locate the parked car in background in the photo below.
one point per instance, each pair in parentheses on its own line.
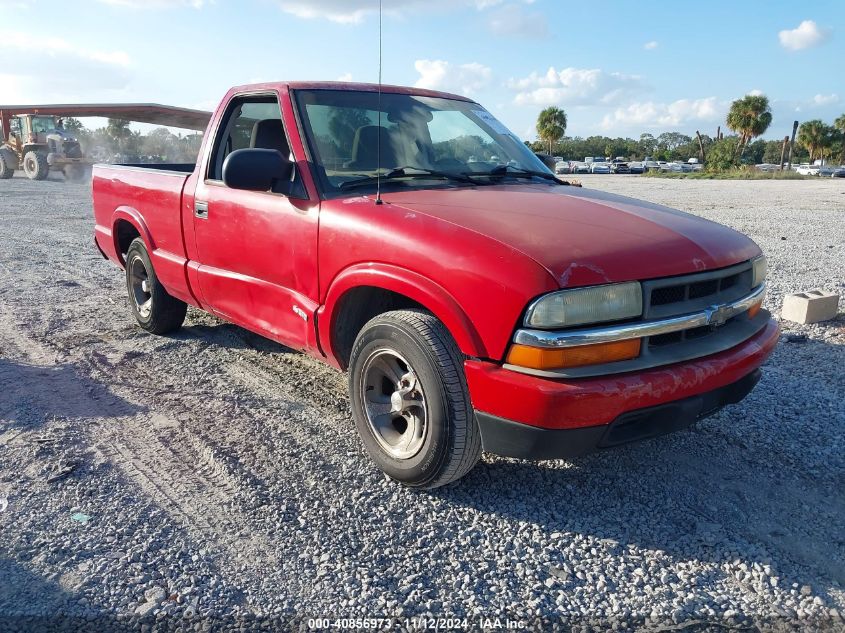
(806,169)
(651,165)
(620,166)
(839,172)
(599,168)
(580,168)
(636,167)
(826,171)
(767,167)
(563,167)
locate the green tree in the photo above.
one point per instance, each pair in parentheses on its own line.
(551,126)
(721,155)
(749,117)
(119,133)
(772,151)
(815,136)
(73,125)
(839,124)
(647,144)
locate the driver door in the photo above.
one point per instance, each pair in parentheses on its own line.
(257,251)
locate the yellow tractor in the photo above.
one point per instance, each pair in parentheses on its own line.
(38,144)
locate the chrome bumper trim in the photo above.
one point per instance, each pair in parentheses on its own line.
(715,315)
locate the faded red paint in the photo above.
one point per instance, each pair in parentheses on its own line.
(475,257)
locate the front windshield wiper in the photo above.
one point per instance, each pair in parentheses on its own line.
(519,172)
(409,172)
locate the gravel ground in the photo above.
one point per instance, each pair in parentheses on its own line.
(214,474)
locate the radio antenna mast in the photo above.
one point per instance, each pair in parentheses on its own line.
(378,135)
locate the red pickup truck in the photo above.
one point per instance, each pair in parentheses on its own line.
(475,300)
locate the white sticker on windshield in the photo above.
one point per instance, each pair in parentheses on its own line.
(491,121)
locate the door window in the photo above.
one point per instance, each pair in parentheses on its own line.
(250,122)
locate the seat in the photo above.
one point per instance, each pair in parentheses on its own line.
(365,149)
(270,134)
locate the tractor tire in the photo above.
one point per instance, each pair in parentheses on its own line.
(8,163)
(35,165)
(78,173)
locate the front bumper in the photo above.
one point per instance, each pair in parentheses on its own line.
(562,404)
(512,439)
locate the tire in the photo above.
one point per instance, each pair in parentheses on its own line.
(8,163)
(417,424)
(153,309)
(35,165)
(77,173)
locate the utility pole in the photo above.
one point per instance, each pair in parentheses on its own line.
(792,142)
(783,151)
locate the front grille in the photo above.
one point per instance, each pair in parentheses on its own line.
(677,296)
(672,294)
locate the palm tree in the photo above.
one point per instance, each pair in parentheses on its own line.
(839,124)
(118,130)
(749,117)
(551,125)
(814,136)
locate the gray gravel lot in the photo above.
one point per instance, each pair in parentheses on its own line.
(213,473)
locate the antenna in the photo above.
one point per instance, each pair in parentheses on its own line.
(378,135)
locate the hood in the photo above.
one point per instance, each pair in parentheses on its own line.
(582,236)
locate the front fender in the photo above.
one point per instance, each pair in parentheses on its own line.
(424,291)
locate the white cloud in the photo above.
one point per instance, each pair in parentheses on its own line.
(823,100)
(47,68)
(514,20)
(575,86)
(650,46)
(354,11)
(755,93)
(441,75)
(345,77)
(665,115)
(805,35)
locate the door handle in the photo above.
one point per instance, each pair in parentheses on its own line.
(201,210)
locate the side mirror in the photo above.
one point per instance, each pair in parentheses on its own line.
(258,170)
(547,160)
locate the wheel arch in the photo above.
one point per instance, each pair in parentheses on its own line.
(363,291)
(127,224)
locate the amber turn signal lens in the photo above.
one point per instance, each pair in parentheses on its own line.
(544,358)
(753,310)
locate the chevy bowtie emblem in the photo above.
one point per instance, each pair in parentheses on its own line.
(717,316)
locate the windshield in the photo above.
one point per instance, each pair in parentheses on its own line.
(42,124)
(350,141)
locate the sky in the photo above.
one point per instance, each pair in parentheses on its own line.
(617,67)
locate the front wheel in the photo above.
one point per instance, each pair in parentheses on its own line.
(410,400)
(153,309)
(35,165)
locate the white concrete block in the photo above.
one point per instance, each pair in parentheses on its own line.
(811,306)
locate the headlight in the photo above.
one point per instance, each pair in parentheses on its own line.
(759,275)
(594,304)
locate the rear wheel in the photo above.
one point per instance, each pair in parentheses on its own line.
(410,400)
(35,165)
(153,309)
(8,163)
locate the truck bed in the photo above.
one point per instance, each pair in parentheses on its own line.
(149,197)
